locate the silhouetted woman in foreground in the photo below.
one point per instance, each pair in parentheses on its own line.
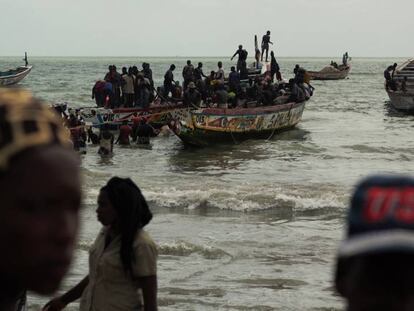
(122,261)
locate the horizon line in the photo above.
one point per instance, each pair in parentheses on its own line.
(198,56)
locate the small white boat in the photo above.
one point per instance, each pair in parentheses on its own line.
(403,99)
(331,73)
(13,76)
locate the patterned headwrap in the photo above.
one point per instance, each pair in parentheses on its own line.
(26,122)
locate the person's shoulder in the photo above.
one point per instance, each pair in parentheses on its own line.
(144,241)
(142,237)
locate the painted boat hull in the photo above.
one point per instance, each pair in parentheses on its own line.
(15,78)
(330,75)
(157,116)
(209,126)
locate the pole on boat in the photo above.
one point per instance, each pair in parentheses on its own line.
(256,51)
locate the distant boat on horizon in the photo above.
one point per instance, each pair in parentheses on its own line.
(14,76)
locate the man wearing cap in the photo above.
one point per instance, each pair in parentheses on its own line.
(40,198)
(192,96)
(375,262)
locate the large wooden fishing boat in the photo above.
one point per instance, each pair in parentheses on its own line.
(13,76)
(208,126)
(158,114)
(331,73)
(403,99)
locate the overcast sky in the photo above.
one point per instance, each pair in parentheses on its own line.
(205,27)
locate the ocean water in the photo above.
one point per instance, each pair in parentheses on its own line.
(253,226)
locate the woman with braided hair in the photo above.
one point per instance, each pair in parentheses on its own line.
(122,261)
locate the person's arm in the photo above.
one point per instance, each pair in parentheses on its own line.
(149,292)
(237,52)
(59,303)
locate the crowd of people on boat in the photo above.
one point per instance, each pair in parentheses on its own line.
(131,87)
(240,87)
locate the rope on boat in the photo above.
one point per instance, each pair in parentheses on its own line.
(274,130)
(234,140)
(231,133)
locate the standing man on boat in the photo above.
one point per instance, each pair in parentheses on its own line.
(241,62)
(188,74)
(265,44)
(345,59)
(219,75)
(198,73)
(168,81)
(115,79)
(128,87)
(388,78)
(234,80)
(394,67)
(274,68)
(147,72)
